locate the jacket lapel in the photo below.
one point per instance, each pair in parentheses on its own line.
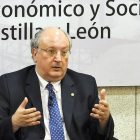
(33,91)
(68,92)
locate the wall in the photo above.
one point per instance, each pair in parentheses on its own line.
(125,108)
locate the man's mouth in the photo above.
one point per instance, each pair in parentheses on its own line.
(56,68)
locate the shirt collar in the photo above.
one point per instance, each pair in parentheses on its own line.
(43,83)
(56,85)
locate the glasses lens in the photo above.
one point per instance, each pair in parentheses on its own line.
(51,52)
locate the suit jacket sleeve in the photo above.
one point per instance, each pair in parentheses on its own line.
(110,127)
(6,131)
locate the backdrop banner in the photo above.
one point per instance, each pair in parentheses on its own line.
(105,36)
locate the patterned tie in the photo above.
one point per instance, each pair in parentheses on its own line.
(55,122)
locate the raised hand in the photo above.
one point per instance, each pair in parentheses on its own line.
(101,111)
(25,117)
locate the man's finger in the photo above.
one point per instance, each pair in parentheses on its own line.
(96,111)
(102,95)
(24,103)
(95,115)
(29,111)
(34,123)
(103,103)
(100,107)
(34,119)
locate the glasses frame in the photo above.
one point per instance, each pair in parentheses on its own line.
(55,52)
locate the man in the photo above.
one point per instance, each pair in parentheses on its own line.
(29,98)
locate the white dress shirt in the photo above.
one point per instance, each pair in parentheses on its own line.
(44,95)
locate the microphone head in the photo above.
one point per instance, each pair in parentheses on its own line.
(50,104)
(50,97)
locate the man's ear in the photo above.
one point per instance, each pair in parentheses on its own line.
(34,54)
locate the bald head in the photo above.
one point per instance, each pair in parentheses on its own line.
(53,35)
(35,42)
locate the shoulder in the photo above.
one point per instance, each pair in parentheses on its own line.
(78,77)
(20,74)
(84,84)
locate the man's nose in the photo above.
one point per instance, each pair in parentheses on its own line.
(58,56)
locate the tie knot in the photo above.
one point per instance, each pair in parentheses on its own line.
(49,86)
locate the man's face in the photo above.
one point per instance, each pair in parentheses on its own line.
(51,68)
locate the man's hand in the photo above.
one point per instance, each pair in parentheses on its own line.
(25,117)
(101,111)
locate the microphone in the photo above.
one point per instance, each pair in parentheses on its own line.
(50,104)
(50,97)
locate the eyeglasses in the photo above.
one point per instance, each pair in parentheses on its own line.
(51,52)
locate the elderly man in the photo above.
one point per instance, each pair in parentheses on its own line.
(49,101)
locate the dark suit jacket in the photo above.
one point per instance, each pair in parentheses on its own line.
(76,109)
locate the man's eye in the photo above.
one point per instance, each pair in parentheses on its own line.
(50,51)
(64,52)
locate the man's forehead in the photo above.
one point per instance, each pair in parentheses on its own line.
(52,31)
(53,34)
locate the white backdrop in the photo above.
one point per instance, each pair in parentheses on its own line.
(113,61)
